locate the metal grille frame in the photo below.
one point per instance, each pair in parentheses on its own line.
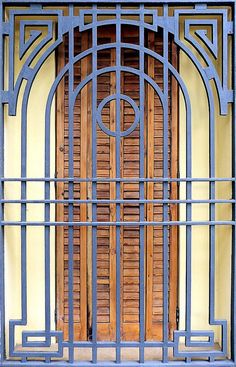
(170,25)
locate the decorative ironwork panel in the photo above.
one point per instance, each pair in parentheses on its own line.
(150,199)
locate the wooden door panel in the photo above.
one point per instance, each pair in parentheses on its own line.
(106,168)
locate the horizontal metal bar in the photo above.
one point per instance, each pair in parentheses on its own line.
(135,179)
(118,201)
(115,224)
(226,363)
(104,179)
(114,2)
(124,344)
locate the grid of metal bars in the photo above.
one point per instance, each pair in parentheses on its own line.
(201,350)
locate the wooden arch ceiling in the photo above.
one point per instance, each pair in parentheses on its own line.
(106,236)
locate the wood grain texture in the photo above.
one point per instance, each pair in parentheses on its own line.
(83,188)
(106,160)
(150,189)
(112,197)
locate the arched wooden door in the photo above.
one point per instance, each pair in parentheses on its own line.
(136,153)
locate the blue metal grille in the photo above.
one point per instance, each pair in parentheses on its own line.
(199,345)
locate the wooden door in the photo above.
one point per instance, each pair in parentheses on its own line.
(106,212)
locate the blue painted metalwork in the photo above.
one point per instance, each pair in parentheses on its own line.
(199,352)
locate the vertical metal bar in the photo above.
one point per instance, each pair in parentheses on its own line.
(71,189)
(141,191)
(118,141)
(11,53)
(224,41)
(165,188)
(212,215)
(94,189)
(233,279)
(2,280)
(47,148)
(188,227)
(23,213)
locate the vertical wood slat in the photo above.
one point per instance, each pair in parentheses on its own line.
(83,191)
(107,328)
(60,191)
(150,189)
(112,197)
(129,168)
(62,236)
(106,331)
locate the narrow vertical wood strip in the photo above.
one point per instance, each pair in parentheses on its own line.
(150,192)
(83,192)
(60,116)
(112,197)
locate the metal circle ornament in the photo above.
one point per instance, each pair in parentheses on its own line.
(118,97)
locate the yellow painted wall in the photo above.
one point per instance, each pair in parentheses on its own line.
(200,243)
(35,239)
(200,235)
(35,250)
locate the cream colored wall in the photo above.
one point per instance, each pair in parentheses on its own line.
(35,240)
(200,235)
(35,250)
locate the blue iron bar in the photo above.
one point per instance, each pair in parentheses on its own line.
(23,2)
(165,229)
(124,344)
(101,179)
(94,191)
(227,363)
(118,201)
(48,355)
(2,269)
(107,344)
(188,259)
(233,260)
(23,228)
(141,192)
(47,240)
(212,217)
(118,174)
(96,224)
(47,235)
(114,11)
(71,192)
